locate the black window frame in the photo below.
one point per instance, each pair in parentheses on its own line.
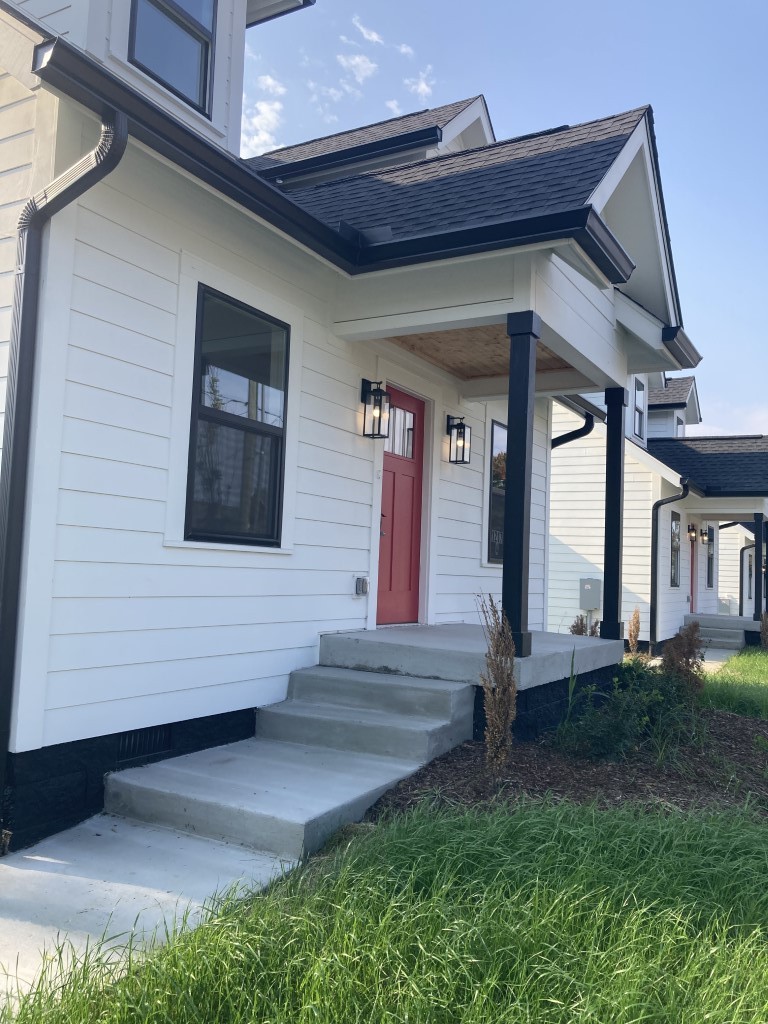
(194,28)
(674,552)
(710,558)
(639,414)
(492,559)
(230,420)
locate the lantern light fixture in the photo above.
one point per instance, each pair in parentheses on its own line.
(376,406)
(692,532)
(460,444)
(704,536)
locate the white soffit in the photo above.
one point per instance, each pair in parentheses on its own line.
(474,123)
(629,202)
(263,10)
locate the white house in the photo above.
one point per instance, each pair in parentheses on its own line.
(188,500)
(684,497)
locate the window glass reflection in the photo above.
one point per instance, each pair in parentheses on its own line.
(400,440)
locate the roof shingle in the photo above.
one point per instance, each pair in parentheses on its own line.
(548,172)
(736,465)
(677,392)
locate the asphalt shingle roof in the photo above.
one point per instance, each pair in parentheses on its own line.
(549,172)
(437,116)
(677,392)
(717,465)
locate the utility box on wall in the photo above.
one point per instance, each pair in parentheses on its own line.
(590,594)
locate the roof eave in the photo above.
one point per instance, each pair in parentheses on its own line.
(680,347)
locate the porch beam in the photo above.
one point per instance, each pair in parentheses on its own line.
(759,582)
(548,383)
(524,330)
(612,625)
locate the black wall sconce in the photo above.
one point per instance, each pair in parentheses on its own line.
(704,536)
(460,445)
(692,532)
(375,409)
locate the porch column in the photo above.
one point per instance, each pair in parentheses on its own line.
(612,626)
(524,330)
(759,581)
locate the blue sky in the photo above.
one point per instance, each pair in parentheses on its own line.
(701,65)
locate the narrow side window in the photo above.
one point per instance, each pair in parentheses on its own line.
(675,550)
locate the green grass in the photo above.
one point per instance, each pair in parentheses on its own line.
(544,914)
(741,685)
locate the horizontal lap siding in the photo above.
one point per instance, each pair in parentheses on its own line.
(731,542)
(142,632)
(17,124)
(577,517)
(461,536)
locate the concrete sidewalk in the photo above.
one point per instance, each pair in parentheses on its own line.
(113,880)
(716,657)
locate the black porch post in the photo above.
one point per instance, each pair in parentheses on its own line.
(524,330)
(612,625)
(759,583)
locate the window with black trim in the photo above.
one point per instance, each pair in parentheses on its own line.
(172,40)
(237,436)
(498,491)
(750,573)
(675,550)
(710,557)
(639,409)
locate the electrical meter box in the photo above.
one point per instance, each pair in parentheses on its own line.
(590,594)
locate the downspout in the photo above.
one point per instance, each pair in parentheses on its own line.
(742,552)
(573,435)
(684,487)
(62,191)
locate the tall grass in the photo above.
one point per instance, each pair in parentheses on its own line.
(741,685)
(544,913)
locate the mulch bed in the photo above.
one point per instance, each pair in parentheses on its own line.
(728,768)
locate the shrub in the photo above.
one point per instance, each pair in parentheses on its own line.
(633,631)
(579,627)
(683,658)
(499,686)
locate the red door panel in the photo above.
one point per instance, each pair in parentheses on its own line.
(400,545)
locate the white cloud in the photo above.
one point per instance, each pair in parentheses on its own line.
(394,106)
(405,49)
(271,85)
(368,34)
(259,127)
(250,53)
(350,89)
(348,41)
(358,65)
(320,96)
(421,85)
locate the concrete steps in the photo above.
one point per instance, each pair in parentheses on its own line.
(722,631)
(318,760)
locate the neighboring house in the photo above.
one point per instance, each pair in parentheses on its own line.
(698,540)
(187,498)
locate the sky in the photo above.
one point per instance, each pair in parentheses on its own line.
(701,65)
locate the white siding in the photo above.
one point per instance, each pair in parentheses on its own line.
(17,125)
(577,517)
(55,14)
(661,423)
(732,540)
(124,625)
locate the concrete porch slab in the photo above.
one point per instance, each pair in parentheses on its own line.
(723,621)
(456,651)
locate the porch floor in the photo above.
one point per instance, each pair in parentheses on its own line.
(456,651)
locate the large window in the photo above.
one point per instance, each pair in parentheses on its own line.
(675,550)
(498,491)
(172,40)
(639,409)
(237,439)
(710,557)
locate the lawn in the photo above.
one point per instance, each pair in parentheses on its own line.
(741,685)
(534,912)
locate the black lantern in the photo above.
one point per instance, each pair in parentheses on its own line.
(460,445)
(691,532)
(704,536)
(375,409)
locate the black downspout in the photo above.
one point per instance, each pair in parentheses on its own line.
(62,191)
(759,585)
(684,487)
(742,551)
(573,435)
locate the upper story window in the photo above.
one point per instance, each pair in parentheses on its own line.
(639,409)
(237,438)
(674,578)
(172,40)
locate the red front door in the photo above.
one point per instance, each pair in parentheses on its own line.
(400,545)
(694,576)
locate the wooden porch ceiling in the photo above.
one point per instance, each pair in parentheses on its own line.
(471,353)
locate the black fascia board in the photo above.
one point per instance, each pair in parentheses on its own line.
(365,151)
(680,347)
(726,492)
(63,67)
(289,10)
(667,405)
(582,224)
